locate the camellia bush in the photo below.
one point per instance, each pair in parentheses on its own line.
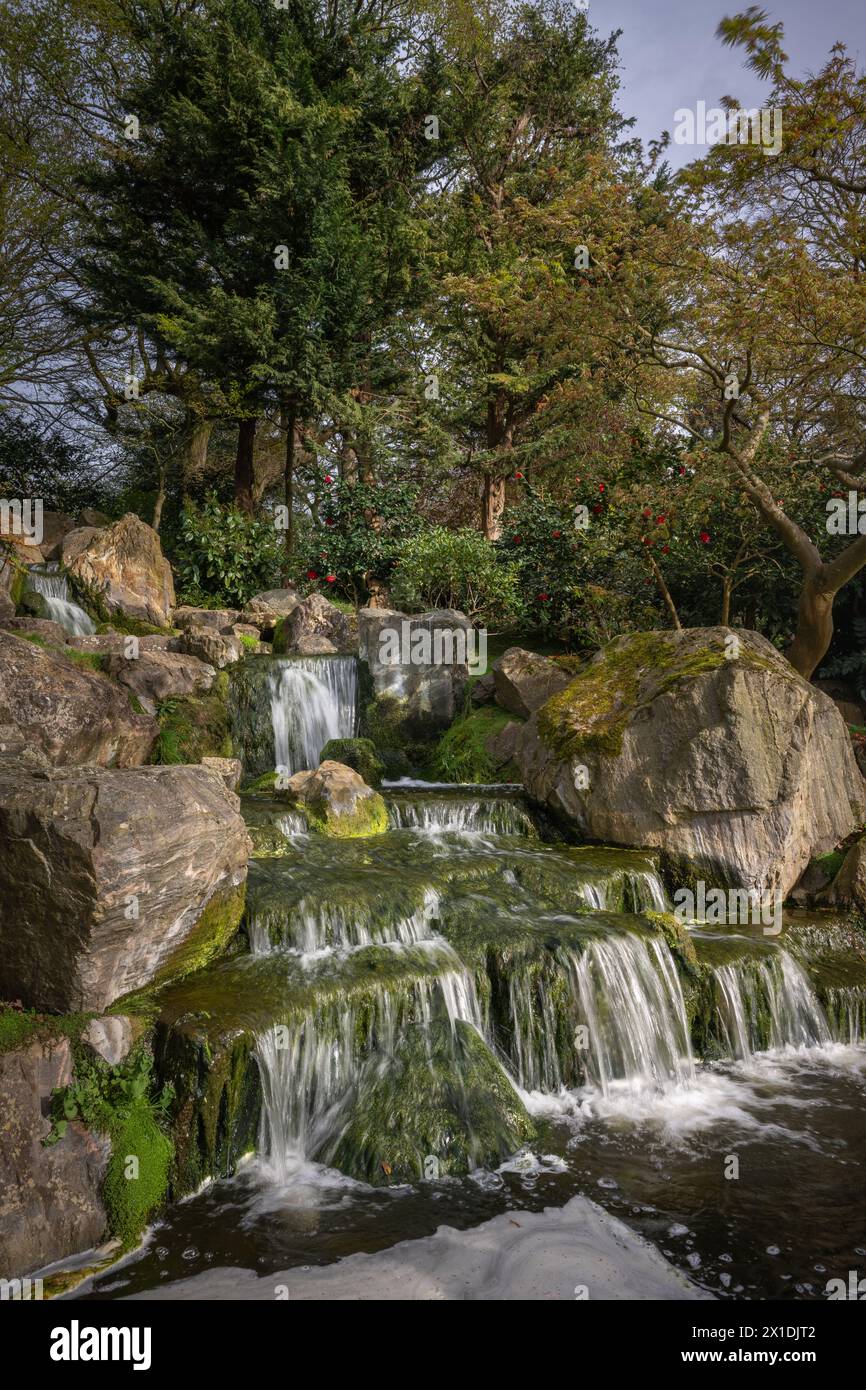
(225,555)
(458,569)
(356,536)
(542,545)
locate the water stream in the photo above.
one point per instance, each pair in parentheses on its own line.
(54,588)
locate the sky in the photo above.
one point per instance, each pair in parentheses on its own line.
(671,58)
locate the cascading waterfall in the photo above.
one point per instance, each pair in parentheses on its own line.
(845,1007)
(313,927)
(768,1003)
(313,699)
(638,890)
(54,588)
(442,816)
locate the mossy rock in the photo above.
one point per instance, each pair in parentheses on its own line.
(591,713)
(33,605)
(462,753)
(369,817)
(195,726)
(444,1097)
(357,753)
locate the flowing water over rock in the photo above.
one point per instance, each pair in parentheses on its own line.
(285,709)
(54,588)
(459,999)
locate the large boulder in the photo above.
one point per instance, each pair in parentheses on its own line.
(705,743)
(848,888)
(154,676)
(217,649)
(124,566)
(114,879)
(524,681)
(416,670)
(50,1202)
(337,801)
(44,628)
(70,713)
(216,618)
(315,618)
(263,611)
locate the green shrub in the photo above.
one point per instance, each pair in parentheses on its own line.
(439,568)
(226,555)
(461,754)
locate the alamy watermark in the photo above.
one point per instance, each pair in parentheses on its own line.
(730,906)
(846,516)
(410,645)
(22,517)
(717,126)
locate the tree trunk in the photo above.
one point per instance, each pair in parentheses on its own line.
(814,626)
(289,416)
(159,503)
(493,506)
(244,472)
(727,586)
(666,594)
(194,459)
(499,438)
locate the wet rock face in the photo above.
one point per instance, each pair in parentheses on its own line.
(524,681)
(50,1204)
(71,714)
(713,749)
(112,879)
(155,676)
(309,625)
(417,669)
(125,566)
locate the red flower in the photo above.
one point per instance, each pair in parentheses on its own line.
(516,539)
(311,574)
(544,597)
(518,475)
(660,520)
(330,578)
(601,487)
(329,521)
(556,535)
(682,470)
(705,538)
(665,549)
(328,478)
(646,512)
(597,507)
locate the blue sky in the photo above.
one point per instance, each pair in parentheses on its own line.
(670,56)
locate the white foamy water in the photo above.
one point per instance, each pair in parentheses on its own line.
(313,699)
(54,588)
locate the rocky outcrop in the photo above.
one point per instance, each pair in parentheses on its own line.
(114,879)
(524,681)
(229,769)
(264,611)
(214,648)
(124,567)
(314,619)
(848,888)
(50,1203)
(337,801)
(416,670)
(44,628)
(704,743)
(70,713)
(154,676)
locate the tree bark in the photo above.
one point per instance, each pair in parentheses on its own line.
(244,471)
(666,594)
(727,586)
(159,502)
(499,438)
(289,416)
(195,452)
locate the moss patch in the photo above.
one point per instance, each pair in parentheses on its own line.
(461,754)
(208,939)
(19,1027)
(590,715)
(370,817)
(195,727)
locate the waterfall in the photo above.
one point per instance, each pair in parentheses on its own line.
(54,588)
(768,1003)
(315,925)
(313,699)
(440,816)
(845,1007)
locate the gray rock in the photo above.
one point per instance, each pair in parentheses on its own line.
(484,690)
(112,878)
(214,648)
(314,617)
(311,645)
(524,681)
(731,763)
(155,676)
(264,611)
(215,618)
(502,747)
(110,1037)
(50,1203)
(39,627)
(417,667)
(229,769)
(17,750)
(72,715)
(848,888)
(125,566)
(337,801)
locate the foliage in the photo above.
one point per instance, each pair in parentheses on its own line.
(461,754)
(439,568)
(34,464)
(359,530)
(226,555)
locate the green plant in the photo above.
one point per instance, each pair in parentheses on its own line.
(439,568)
(227,556)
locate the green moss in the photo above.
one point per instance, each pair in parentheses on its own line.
(32,604)
(136,1181)
(829,864)
(357,753)
(91,661)
(677,938)
(261,786)
(208,939)
(590,715)
(370,817)
(19,1027)
(442,1097)
(195,727)
(461,754)
(249,642)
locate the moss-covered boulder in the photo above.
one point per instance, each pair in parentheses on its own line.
(476,748)
(195,726)
(336,801)
(359,754)
(705,743)
(442,1107)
